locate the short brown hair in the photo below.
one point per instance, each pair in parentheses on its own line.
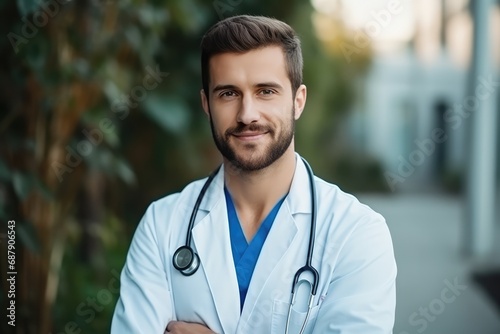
(243,33)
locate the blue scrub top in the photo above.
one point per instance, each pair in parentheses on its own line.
(245,255)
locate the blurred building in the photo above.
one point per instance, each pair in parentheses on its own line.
(417,96)
(406,100)
(428,107)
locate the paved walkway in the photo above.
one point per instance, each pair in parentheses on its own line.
(435,294)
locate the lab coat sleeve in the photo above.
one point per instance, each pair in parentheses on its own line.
(361,296)
(145,303)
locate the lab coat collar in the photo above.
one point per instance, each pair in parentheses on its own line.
(298,199)
(213,245)
(216,254)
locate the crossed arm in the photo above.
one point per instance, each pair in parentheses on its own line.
(145,298)
(181,327)
(361,296)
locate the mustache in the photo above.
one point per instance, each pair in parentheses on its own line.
(240,128)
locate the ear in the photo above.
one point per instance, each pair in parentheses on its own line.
(204,102)
(300,100)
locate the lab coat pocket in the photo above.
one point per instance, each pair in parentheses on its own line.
(279,318)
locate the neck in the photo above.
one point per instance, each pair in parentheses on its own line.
(254,194)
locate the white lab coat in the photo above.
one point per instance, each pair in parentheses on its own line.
(353,254)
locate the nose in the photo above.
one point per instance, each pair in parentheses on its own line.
(248,111)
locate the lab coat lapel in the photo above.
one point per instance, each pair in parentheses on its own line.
(276,245)
(278,241)
(212,242)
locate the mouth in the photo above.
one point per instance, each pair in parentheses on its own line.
(249,135)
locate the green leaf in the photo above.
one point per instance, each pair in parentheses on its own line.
(81,67)
(4,171)
(99,121)
(111,91)
(134,37)
(124,171)
(103,159)
(37,54)
(171,114)
(44,190)
(152,17)
(27,235)
(22,184)
(27,6)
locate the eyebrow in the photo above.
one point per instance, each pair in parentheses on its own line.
(223,87)
(269,84)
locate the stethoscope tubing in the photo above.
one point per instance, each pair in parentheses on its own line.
(308,266)
(193,265)
(197,205)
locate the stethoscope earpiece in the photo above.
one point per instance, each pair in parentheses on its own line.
(186,260)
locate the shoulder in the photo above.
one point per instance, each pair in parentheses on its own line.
(347,221)
(356,233)
(161,210)
(184,195)
(344,205)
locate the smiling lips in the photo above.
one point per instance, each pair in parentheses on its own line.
(249,135)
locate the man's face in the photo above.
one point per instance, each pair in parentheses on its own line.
(251,107)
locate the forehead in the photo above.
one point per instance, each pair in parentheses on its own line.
(250,68)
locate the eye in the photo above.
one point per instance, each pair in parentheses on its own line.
(266,92)
(228,93)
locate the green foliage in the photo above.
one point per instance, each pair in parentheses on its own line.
(27,6)
(170,113)
(88,291)
(26,233)
(357,173)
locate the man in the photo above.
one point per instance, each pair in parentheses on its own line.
(251,231)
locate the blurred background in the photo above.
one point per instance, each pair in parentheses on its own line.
(100,115)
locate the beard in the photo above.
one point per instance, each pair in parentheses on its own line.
(250,160)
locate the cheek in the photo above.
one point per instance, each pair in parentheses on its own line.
(221,122)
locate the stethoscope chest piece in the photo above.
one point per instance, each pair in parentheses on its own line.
(186,260)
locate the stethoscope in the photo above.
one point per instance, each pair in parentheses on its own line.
(187,261)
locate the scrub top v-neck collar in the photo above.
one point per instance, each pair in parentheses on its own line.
(246,254)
